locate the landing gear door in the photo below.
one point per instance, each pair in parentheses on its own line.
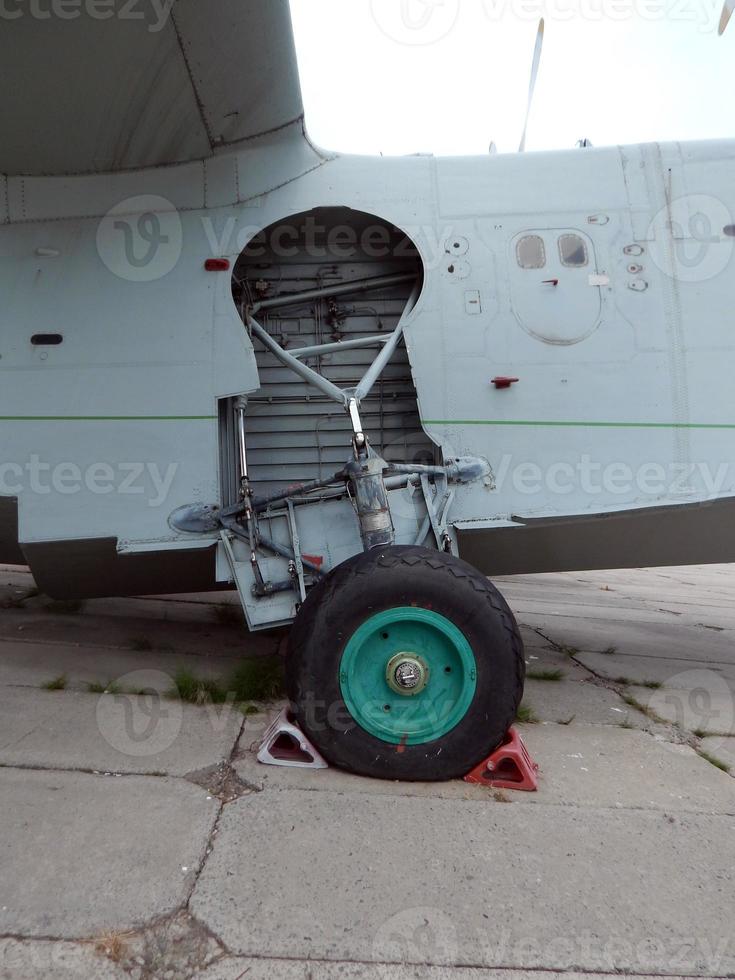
(555,285)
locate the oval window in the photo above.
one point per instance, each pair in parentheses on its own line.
(573,251)
(531,253)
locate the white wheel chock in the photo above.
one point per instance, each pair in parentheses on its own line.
(284,744)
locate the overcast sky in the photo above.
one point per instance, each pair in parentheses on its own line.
(449,76)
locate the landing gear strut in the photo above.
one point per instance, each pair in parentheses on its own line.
(404,663)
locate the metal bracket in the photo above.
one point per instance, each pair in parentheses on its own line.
(295,541)
(437,511)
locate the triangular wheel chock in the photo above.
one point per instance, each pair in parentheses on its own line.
(509,767)
(284,744)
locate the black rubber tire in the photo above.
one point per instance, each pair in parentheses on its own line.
(383,579)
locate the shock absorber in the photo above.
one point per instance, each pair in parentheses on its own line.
(371,502)
(365,474)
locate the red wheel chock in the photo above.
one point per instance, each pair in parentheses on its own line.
(509,767)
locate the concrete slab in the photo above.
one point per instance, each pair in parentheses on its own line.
(26,663)
(723,749)
(696,700)
(670,641)
(82,854)
(242,968)
(54,961)
(580,702)
(622,861)
(590,765)
(342,876)
(114,733)
(580,765)
(639,669)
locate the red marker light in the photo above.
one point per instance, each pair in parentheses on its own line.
(217,265)
(504,382)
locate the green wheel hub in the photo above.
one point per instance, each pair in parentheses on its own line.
(408,675)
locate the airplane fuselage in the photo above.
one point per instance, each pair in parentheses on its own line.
(574,329)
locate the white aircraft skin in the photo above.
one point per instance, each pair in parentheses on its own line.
(624,398)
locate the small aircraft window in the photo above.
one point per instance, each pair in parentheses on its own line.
(531,252)
(573,251)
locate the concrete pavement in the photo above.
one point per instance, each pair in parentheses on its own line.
(140,837)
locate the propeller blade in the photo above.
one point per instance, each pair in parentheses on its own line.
(534,75)
(726,15)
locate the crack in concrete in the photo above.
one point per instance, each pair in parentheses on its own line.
(88,772)
(675,734)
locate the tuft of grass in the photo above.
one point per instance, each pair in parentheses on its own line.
(64,607)
(259,679)
(57,684)
(713,760)
(195,690)
(227,614)
(113,945)
(254,679)
(545,675)
(140,643)
(526,715)
(570,651)
(633,702)
(625,681)
(627,725)
(609,651)
(250,709)
(651,685)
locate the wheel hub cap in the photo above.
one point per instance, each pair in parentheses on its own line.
(407,674)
